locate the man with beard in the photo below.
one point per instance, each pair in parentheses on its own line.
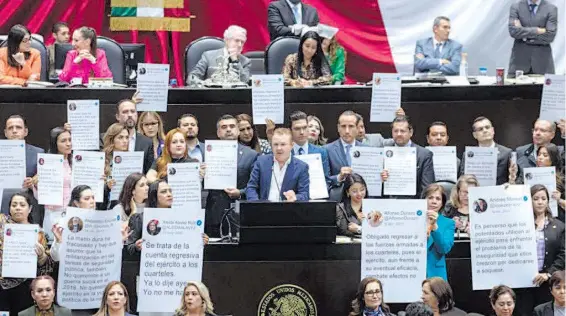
(126,113)
(218,201)
(289,17)
(188,123)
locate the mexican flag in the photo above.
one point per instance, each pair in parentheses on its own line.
(149,15)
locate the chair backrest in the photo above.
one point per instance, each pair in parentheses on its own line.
(447,185)
(38,37)
(35,43)
(258,62)
(196,48)
(115,56)
(277,51)
(3,38)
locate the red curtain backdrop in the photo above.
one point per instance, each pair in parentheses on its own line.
(362,32)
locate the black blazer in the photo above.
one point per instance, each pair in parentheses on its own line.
(503,156)
(344,216)
(546,309)
(553,246)
(280,16)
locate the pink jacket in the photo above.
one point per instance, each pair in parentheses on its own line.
(85,68)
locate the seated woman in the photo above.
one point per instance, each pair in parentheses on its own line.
(440,232)
(502,299)
(19,63)
(174,151)
(336,57)
(369,299)
(437,294)
(308,67)
(195,301)
(43,293)
(457,208)
(316,131)
(85,60)
(133,196)
(115,300)
(249,136)
(349,213)
(150,124)
(558,291)
(15,295)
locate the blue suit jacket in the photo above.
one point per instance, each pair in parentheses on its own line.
(31,159)
(451,50)
(439,243)
(337,158)
(296,179)
(313,149)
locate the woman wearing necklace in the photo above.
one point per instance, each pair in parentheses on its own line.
(195,301)
(43,294)
(115,301)
(349,213)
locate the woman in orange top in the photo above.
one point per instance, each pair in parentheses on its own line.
(19,63)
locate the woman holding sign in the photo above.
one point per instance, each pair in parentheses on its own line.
(174,151)
(150,124)
(458,208)
(116,138)
(195,301)
(15,295)
(115,300)
(369,299)
(440,232)
(133,196)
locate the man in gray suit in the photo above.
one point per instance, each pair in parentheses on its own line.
(533,24)
(372,140)
(234,39)
(439,53)
(289,17)
(402,131)
(484,132)
(218,201)
(17,129)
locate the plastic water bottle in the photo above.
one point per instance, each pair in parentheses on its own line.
(483,71)
(464,65)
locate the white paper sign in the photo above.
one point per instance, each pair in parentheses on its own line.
(401,163)
(268,98)
(317,188)
(394,244)
(545,176)
(88,169)
(457,80)
(91,257)
(83,115)
(153,85)
(385,97)
(221,158)
(481,162)
(19,259)
(502,234)
(172,254)
(368,163)
(553,99)
(50,179)
(124,164)
(12,163)
(184,180)
(444,162)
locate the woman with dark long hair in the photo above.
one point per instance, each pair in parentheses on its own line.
(19,63)
(369,299)
(349,213)
(249,136)
(308,67)
(133,196)
(85,60)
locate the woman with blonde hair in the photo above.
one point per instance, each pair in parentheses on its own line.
(316,131)
(195,301)
(150,124)
(336,56)
(458,207)
(116,138)
(115,300)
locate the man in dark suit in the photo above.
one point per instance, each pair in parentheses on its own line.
(543,133)
(230,54)
(289,17)
(438,53)
(339,150)
(301,146)
(402,131)
(438,136)
(279,176)
(484,132)
(17,129)
(533,25)
(219,201)
(126,113)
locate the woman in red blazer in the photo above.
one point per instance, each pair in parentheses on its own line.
(85,61)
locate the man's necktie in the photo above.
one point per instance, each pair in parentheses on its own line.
(348,157)
(301,151)
(437,50)
(297,14)
(532,8)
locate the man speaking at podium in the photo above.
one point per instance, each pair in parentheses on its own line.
(279,176)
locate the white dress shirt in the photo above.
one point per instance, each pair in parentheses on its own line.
(299,9)
(277,176)
(344,144)
(434,41)
(132,144)
(305,148)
